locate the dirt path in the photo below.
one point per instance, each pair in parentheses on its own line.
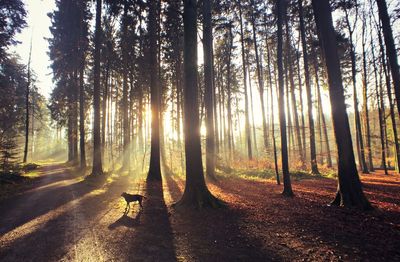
(66,218)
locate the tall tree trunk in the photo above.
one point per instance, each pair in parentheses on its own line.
(82,116)
(196,193)
(349,191)
(209,89)
(104,110)
(75,115)
(292,91)
(229,95)
(27,92)
(302,121)
(97,161)
(322,115)
(365,97)
(259,78)
(313,155)
(252,108)
(288,111)
(125,107)
(388,85)
(379,98)
(214,98)
(357,120)
(246,98)
(287,187)
(289,122)
(109,123)
(154,168)
(272,112)
(390,48)
(140,120)
(391,110)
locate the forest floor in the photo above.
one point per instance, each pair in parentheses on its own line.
(62,217)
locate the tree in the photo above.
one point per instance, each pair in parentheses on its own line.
(97,168)
(209,89)
(291,89)
(83,45)
(259,73)
(349,193)
(313,156)
(365,92)
(346,6)
(390,48)
(246,98)
(383,58)
(27,116)
(12,17)
(287,187)
(380,104)
(67,46)
(13,82)
(155,168)
(196,193)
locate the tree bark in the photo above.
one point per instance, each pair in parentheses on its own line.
(313,155)
(154,168)
(349,191)
(27,92)
(97,161)
(389,43)
(357,120)
(125,107)
(390,48)
(379,98)
(272,114)
(365,97)
(82,116)
(196,193)
(209,90)
(321,118)
(229,95)
(246,98)
(287,187)
(259,78)
(292,91)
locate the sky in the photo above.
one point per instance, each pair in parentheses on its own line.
(38,24)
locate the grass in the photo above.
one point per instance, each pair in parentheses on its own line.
(10,187)
(269,174)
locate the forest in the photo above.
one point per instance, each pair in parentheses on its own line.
(200,130)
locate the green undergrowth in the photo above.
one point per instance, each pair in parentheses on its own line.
(269,174)
(224,171)
(14,182)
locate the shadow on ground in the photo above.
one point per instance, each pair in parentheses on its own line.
(214,234)
(153,239)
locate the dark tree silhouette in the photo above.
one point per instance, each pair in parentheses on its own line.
(196,193)
(313,155)
(97,168)
(155,168)
(287,187)
(390,48)
(350,191)
(209,89)
(12,17)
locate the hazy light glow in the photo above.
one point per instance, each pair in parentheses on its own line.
(38,24)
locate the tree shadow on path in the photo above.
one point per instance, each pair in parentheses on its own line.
(153,239)
(214,234)
(57,235)
(31,205)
